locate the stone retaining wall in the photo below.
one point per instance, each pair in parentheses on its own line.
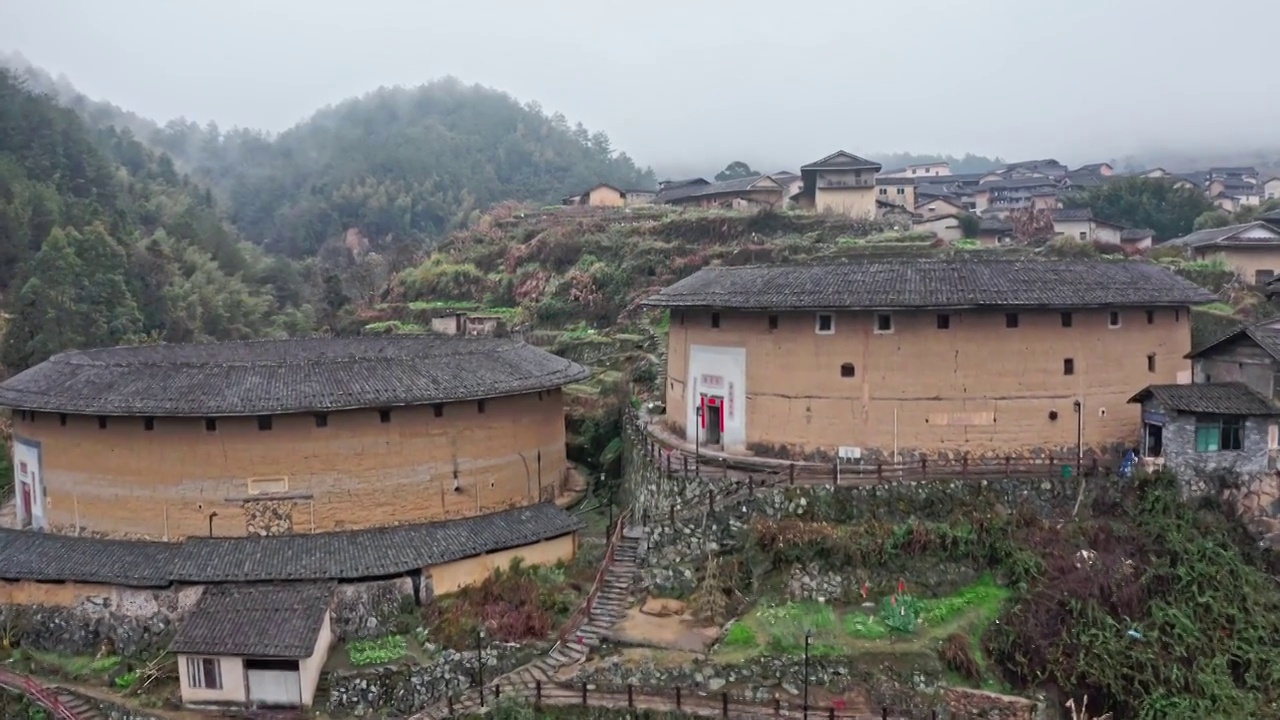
(408,688)
(133,622)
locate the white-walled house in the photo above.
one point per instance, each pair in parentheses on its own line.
(254,645)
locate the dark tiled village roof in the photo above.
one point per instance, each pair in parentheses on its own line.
(1070,214)
(1208,398)
(347,555)
(1225,236)
(264,621)
(716,188)
(933,283)
(1136,233)
(1267,338)
(281,376)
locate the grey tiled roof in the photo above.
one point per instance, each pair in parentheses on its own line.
(282,376)
(995,225)
(716,188)
(1136,233)
(31,555)
(1267,338)
(1070,214)
(367,553)
(1208,398)
(842,160)
(933,283)
(274,620)
(347,555)
(1270,217)
(1224,236)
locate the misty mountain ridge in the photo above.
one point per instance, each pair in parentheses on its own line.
(99,112)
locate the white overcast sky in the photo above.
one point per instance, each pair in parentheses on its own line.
(674,81)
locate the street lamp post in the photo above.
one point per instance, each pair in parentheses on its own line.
(808,638)
(480,662)
(608,501)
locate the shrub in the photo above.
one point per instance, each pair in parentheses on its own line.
(379,651)
(901,613)
(740,635)
(956,653)
(127,680)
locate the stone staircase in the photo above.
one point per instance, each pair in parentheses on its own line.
(611,605)
(79,706)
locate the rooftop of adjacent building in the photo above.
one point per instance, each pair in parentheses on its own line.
(261,620)
(282,376)
(918,283)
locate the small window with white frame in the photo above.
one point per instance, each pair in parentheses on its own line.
(825,324)
(267,485)
(204,673)
(884,323)
(1113,319)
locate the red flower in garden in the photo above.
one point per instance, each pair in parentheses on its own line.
(865,587)
(902,585)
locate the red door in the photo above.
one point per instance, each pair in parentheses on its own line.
(26,505)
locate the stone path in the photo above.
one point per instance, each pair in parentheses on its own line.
(611,605)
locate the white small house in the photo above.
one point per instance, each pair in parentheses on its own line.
(254,645)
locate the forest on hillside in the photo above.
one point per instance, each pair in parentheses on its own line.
(403,166)
(103,241)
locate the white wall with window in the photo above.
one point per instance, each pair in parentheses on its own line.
(211,680)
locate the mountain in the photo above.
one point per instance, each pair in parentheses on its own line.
(399,166)
(103,241)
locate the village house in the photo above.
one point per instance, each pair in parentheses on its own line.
(927,207)
(469,324)
(792,185)
(1214,437)
(906,357)
(1251,249)
(1080,224)
(604,195)
(1249,355)
(262,645)
(1034,191)
(1242,193)
(1136,240)
(1048,167)
(757,192)
(1101,168)
(944,227)
(841,183)
(995,231)
(919,170)
(1245,174)
(273,437)
(897,191)
(1271,188)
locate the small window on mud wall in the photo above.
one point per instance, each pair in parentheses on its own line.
(825,324)
(847,370)
(267,485)
(1217,433)
(204,673)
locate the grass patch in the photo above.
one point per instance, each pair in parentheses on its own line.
(740,636)
(378,651)
(898,620)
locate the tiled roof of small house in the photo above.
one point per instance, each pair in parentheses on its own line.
(1224,236)
(1267,338)
(282,376)
(345,555)
(842,160)
(722,187)
(1073,214)
(1136,233)
(933,283)
(1208,398)
(273,620)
